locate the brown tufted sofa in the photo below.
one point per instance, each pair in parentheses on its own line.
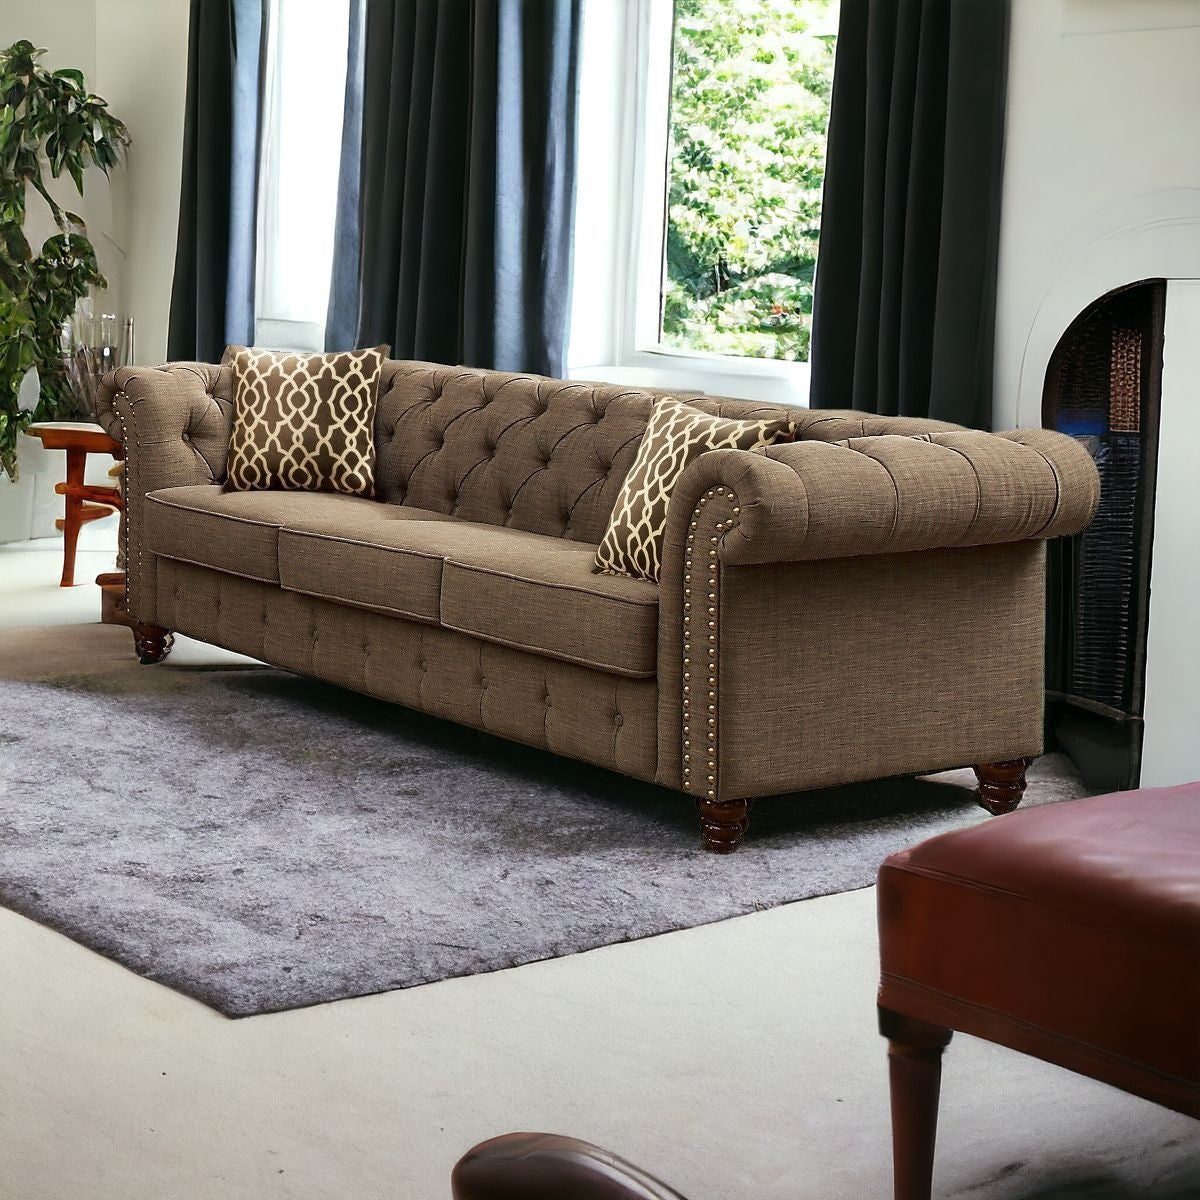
(864,601)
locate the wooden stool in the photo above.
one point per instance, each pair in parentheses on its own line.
(85,502)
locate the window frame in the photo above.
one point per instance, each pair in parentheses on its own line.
(638,231)
(276,327)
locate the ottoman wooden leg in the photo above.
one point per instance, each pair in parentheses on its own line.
(915,1072)
(723,824)
(152,642)
(1001,785)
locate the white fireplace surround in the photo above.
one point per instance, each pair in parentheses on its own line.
(1152,236)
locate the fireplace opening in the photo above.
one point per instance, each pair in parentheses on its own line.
(1104,386)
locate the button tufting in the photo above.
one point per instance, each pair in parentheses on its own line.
(187,437)
(618,720)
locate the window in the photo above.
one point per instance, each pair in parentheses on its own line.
(750,86)
(702,147)
(303,101)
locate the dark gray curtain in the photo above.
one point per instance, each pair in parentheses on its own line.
(904,305)
(212,294)
(341,321)
(467,180)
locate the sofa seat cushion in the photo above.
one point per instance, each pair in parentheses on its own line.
(540,594)
(518,589)
(238,532)
(378,557)
(504,585)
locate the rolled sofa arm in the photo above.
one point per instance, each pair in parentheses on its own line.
(887,494)
(174,422)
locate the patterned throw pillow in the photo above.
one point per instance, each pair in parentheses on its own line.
(676,434)
(304,421)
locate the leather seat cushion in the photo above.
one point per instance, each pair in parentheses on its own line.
(238,532)
(1070,930)
(517,594)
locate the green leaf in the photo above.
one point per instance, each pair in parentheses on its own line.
(49,122)
(16,244)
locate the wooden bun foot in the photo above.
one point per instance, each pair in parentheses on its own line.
(1001,785)
(723,824)
(152,642)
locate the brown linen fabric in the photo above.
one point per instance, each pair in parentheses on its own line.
(304,422)
(676,435)
(368,562)
(917,662)
(547,603)
(837,424)
(600,718)
(174,423)
(238,532)
(883,494)
(545,455)
(387,562)
(807,502)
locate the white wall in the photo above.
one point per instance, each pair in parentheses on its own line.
(141,70)
(1102,170)
(134,54)
(1171,750)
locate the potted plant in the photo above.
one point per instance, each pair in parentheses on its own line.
(49,121)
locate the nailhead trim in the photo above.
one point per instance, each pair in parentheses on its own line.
(701,642)
(125,521)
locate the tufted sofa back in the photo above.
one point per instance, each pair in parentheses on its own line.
(544,455)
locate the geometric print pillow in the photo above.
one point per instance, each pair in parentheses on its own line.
(304,421)
(676,434)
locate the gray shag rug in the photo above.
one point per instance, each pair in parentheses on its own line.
(262,842)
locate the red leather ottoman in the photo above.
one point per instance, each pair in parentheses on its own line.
(1070,932)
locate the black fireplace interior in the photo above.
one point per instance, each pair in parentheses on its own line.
(1103,387)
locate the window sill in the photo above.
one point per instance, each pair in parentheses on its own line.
(770,381)
(280,333)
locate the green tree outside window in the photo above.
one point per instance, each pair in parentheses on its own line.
(751,84)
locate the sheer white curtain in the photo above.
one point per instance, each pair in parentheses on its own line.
(303,100)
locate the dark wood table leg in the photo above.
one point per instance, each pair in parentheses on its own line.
(72,521)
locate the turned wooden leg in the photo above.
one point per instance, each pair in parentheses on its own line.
(915,1074)
(1001,785)
(70,523)
(152,642)
(723,824)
